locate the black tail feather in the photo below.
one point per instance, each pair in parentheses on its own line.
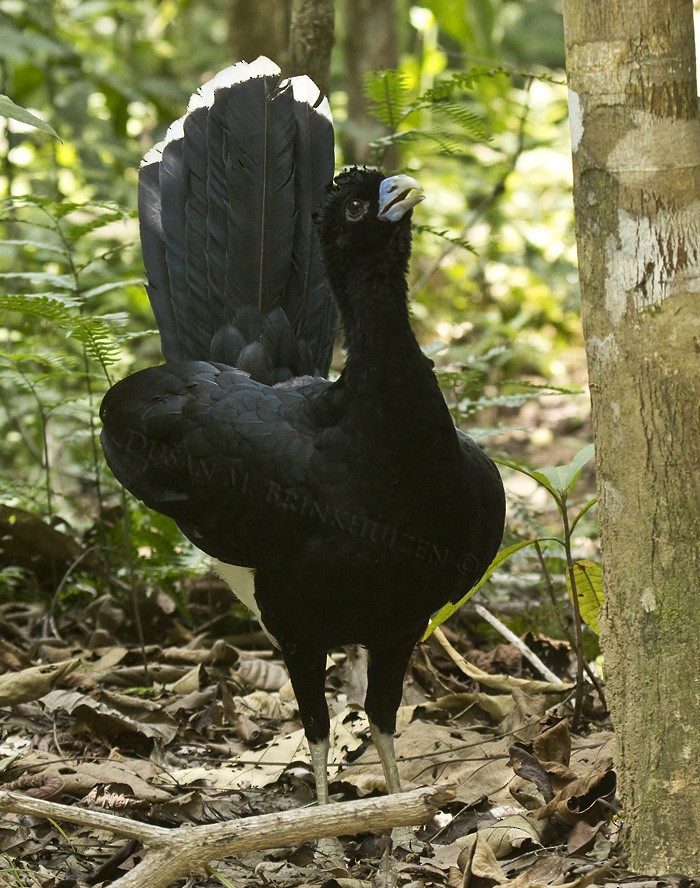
(153,246)
(226,225)
(314,152)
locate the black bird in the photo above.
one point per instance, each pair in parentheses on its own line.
(340,512)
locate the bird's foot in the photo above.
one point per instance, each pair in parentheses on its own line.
(403,837)
(330,847)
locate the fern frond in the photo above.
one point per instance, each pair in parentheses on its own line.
(61,281)
(96,333)
(110,286)
(28,244)
(388,95)
(464,118)
(446,236)
(446,145)
(57,363)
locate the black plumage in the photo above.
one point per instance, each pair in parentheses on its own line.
(354,509)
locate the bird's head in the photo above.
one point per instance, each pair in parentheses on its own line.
(367,214)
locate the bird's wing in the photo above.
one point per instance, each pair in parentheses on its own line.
(234,462)
(488,510)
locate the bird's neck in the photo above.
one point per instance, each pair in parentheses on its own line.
(380,343)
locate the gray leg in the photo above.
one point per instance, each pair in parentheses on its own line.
(330,846)
(384,744)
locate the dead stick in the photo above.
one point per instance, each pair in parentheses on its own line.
(19,803)
(177,853)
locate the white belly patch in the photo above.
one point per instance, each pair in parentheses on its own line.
(241,581)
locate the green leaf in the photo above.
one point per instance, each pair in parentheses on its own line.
(561,479)
(446,612)
(536,476)
(588,578)
(472,125)
(9,109)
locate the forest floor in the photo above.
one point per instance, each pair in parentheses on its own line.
(196,724)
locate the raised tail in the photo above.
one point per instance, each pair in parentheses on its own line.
(225,206)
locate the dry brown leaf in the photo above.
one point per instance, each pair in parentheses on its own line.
(112,714)
(38,786)
(221,652)
(249,731)
(80,777)
(481,863)
(546,870)
(524,722)
(478,860)
(528,768)
(580,798)
(261,704)
(263,675)
(260,768)
(428,753)
(34,682)
(502,683)
(350,883)
(567,794)
(114,797)
(496,706)
(194,701)
(554,743)
(107,658)
(582,836)
(513,834)
(188,684)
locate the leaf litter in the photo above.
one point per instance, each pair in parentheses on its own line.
(207,731)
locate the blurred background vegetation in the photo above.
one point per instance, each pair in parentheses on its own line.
(474,106)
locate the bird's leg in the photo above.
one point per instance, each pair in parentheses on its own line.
(307,671)
(384,744)
(319,762)
(385,674)
(328,846)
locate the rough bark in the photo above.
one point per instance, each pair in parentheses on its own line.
(636,151)
(297,34)
(371,44)
(259,28)
(311,40)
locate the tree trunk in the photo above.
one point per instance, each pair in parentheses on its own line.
(371,44)
(259,28)
(311,40)
(297,34)
(636,149)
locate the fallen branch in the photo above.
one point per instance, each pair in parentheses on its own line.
(177,853)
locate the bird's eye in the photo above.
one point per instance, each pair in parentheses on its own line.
(355,209)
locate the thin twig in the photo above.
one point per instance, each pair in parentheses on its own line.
(549,585)
(517,643)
